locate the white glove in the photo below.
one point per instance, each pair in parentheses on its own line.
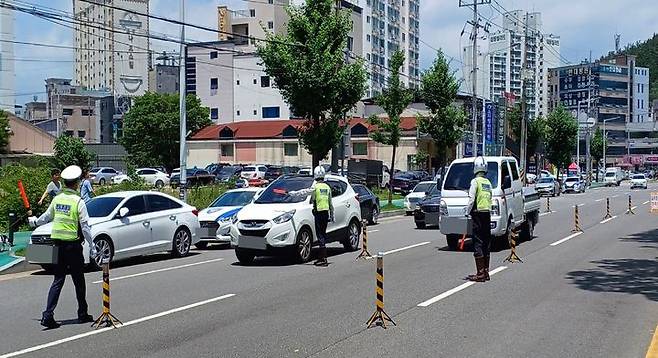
(92,251)
(32,220)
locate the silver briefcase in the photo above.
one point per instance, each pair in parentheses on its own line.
(43,254)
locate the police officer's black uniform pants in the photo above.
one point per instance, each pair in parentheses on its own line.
(481,233)
(70,262)
(321,221)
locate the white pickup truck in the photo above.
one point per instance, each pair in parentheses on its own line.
(513,206)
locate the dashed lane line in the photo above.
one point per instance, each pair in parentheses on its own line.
(646,202)
(461,287)
(597,200)
(608,219)
(567,238)
(548,212)
(161,270)
(406,248)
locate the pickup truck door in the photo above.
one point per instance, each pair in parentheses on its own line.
(517,192)
(508,200)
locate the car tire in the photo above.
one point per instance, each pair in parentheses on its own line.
(181,243)
(420,225)
(374,216)
(101,181)
(528,230)
(246,258)
(105,250)
(453,241)
(159,184)
(351,243)
(201,245)
(303,246)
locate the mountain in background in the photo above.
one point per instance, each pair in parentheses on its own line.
(647,56)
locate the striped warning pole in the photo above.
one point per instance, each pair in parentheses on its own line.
(380,317)
(106,319)
(576,218)
(607,209)
(364,249)
(630,206)
(548,204)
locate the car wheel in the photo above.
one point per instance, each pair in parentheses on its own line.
(245,257)
(182,242)
(105,252)
(354,235)
(304,245)
(159,184)
(453,241)
(101,181)
(420,225)
(528,230)
(374,216)
(201,245)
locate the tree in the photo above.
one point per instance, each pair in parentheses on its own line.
(536,129)
(71,151)
(446,122)
(310,68)
(151,129)
(596,148)
(394,99)
(5,132)
(560,140)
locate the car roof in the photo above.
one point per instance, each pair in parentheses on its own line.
(487,159)
(428,182)
(250,188)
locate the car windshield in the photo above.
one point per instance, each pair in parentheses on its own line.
(460,175)
(639,176)
(102,206)
(404,176)
(227,170)
(545,180)
(609,174)
(435,191)
(234,198)
(283,191)
(94,170)
(424,187)
(249,169)
(569,180)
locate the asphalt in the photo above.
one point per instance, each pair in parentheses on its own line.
(593,295)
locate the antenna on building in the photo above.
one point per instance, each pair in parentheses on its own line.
(617,42)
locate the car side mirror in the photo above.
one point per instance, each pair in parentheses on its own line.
(507,182)
(123,212)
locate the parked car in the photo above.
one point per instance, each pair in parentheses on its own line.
(281,221)
(427,211)
(548,186)
(150,176)
(128,224)
(404,182)
(613,176)
(102,175)
(228,172)
(368,202)
(215,168)
(421,175)
(638,181)
(416,195)
(253,172)
(275,171)
(194,177)
(215,220)
(305,171)
(574,185)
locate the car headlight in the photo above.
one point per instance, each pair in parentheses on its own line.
(284,217)
(443,208)
(234,219)
(406,200)
(228,219)
(495,208)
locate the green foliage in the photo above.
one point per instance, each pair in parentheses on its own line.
(647,56)
(536,129)
(560,139)
(34,180)
(72,151)
(308,66)
(420,159)
(4,132)
(151,129)
(446,122)
(596,145)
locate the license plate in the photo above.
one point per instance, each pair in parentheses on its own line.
(397,188)
(207,232)
(250,242)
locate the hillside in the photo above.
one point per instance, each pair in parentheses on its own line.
(647,56)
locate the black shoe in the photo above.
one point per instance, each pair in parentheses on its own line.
(85,319)
(50,323)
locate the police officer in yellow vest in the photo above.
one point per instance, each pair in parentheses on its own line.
(479,207)
(68,213)
(323,211)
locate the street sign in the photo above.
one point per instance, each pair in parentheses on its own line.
(654,202)
(468,149)
(489,123)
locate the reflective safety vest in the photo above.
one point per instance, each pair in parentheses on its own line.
(483,194)
(322,192)
(65,221)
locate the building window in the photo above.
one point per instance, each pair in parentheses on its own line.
(69,133)
(252,12)
(255,81)
(237,82)
(368,38)
(270,25)
(271,112)
(67,111)
(367,19)
(264,81)
(350,43)
(255,112)
(87,112)
(270,1)
(82,134)
(214,84)
(213,54)
(214,113)
(290,149)
(226,150)
(237,113)
(360,148)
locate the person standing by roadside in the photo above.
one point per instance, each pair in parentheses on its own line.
(53,187)
(86,189)
(323,211)
(479,207)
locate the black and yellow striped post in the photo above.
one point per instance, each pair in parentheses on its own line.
(630,206)
(106,319)
(513,257)
(607,209)
(380,317)
(576,219)
(364,249)
(548,204)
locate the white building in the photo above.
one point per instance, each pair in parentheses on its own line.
(640,101)
(112,47)
(7,72)
(500,61)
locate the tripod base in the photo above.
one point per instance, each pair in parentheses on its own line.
(363,255)
(513,257)
(106,320)
(379,318)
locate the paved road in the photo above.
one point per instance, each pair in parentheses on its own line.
(591,295)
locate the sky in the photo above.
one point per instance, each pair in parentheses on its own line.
(583,25)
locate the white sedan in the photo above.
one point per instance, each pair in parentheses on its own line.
(420,191)
(216,219)
(281,221)
(638,181)
(150,176)
(128,224)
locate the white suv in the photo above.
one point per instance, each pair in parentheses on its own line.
(281,220)
(253,172)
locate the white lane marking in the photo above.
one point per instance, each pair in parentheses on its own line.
(608,219)
(369,231)
(614,196)
(129,323)
(546,213)
(597,200)
(567,238)
(457,289)
(405,248)
(646,202)
(634,207)
(161,270)
(581,204)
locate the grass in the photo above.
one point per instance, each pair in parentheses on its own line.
(382,194)
(20,252)
(390,207)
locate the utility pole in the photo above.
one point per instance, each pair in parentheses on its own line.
(588,158)
(474,36)
(183,110)
(524,110)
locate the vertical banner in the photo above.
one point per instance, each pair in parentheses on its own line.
(489,123)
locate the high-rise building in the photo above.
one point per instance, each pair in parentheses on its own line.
(500,62)
(112,46)
(7,73)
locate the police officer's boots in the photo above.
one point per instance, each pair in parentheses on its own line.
(322,258)
(480,276)
(486,268)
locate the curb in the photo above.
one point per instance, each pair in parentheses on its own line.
(392,213)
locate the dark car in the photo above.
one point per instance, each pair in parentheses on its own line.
(404,182)
(194,177)
(228,172)
(215,168)
(421,175)
(369,203)
(275,171)
(427,210)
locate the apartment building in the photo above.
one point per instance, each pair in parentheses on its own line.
(7,72)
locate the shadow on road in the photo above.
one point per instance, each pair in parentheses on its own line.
(288,260)
(127,262)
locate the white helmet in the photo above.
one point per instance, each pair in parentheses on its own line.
(318,172)
(71,173)
(479,165)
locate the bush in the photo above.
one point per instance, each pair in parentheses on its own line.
(34,180)
(199,197)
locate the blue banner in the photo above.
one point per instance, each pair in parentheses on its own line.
(489,123)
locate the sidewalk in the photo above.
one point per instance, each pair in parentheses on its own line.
(9,258)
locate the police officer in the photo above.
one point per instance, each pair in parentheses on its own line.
(68,213)
(479,206)
(323,211)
